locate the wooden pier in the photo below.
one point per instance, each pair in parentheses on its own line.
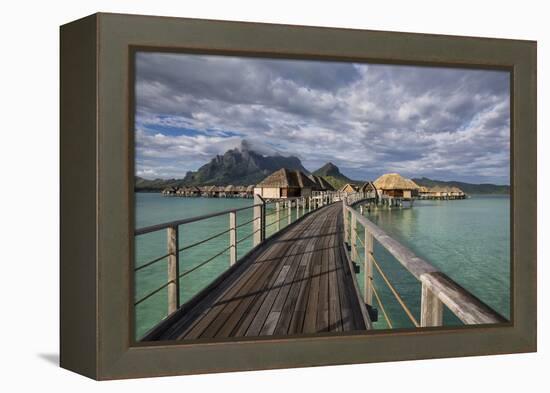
(297,283)
(302,278)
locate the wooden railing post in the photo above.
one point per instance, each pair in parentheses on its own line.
(173,269)
(259,220)
(431,308)
(346,215)
(361,210)
(353,237)
(278,216)
(309,204)
(369,250)
(289,203)
(232,238)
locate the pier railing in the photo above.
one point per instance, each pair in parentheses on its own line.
(283,211)
(438,289)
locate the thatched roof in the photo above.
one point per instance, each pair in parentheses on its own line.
(368,186)
(285,178)
(250,188)
(214,189)
(440,189)
(394,181)
(348,186)
(457,190)
(322,184)
(229,188)
(193,189)
(169,189)
(240,188)
(423,189)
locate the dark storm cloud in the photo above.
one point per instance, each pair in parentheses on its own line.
(368,119)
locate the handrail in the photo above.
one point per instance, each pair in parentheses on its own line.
(437,288)
(164,225)
(158,227)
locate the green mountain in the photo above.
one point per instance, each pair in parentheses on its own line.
(468,188)
(240,166)
(332,174)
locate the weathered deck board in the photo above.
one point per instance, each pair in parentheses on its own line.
(298,282)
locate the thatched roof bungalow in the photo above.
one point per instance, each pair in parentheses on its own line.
(285,183)
(457,192)
(169,191)
(193,191)
(396,186)
(349,188)
(229,191)
(369,189)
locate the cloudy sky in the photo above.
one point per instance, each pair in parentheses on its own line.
(368,119)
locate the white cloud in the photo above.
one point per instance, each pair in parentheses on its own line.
(368,119)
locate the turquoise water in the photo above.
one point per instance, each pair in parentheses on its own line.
(153,208)
(468,239)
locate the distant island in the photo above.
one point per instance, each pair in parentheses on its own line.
(243,166)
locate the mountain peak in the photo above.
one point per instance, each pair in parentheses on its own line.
(329,169)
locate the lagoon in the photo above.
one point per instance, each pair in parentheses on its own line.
(468,239)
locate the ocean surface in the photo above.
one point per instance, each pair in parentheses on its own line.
(468,239)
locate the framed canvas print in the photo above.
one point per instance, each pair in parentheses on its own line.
(240,196)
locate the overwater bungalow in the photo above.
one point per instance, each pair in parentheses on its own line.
(285,183)
(250,191)
(322,184)
(349,188)
(193,191)
(393,185)
(369,189)
(169,191)
(240,191)
(229,191)
(457,193)
(212,191)
(423,192)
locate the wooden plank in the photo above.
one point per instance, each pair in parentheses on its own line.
(298,315)
(322,323)
(280,298)
(302,260)
(251,314)
(212,314)
(257,260)
(267,303)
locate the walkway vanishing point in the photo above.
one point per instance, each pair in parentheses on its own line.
(301,279)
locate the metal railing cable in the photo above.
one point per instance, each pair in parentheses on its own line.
(186,272)
(395,293)
(153,292)
(379,301)
(204,240)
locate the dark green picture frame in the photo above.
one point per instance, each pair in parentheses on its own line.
(97,195)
